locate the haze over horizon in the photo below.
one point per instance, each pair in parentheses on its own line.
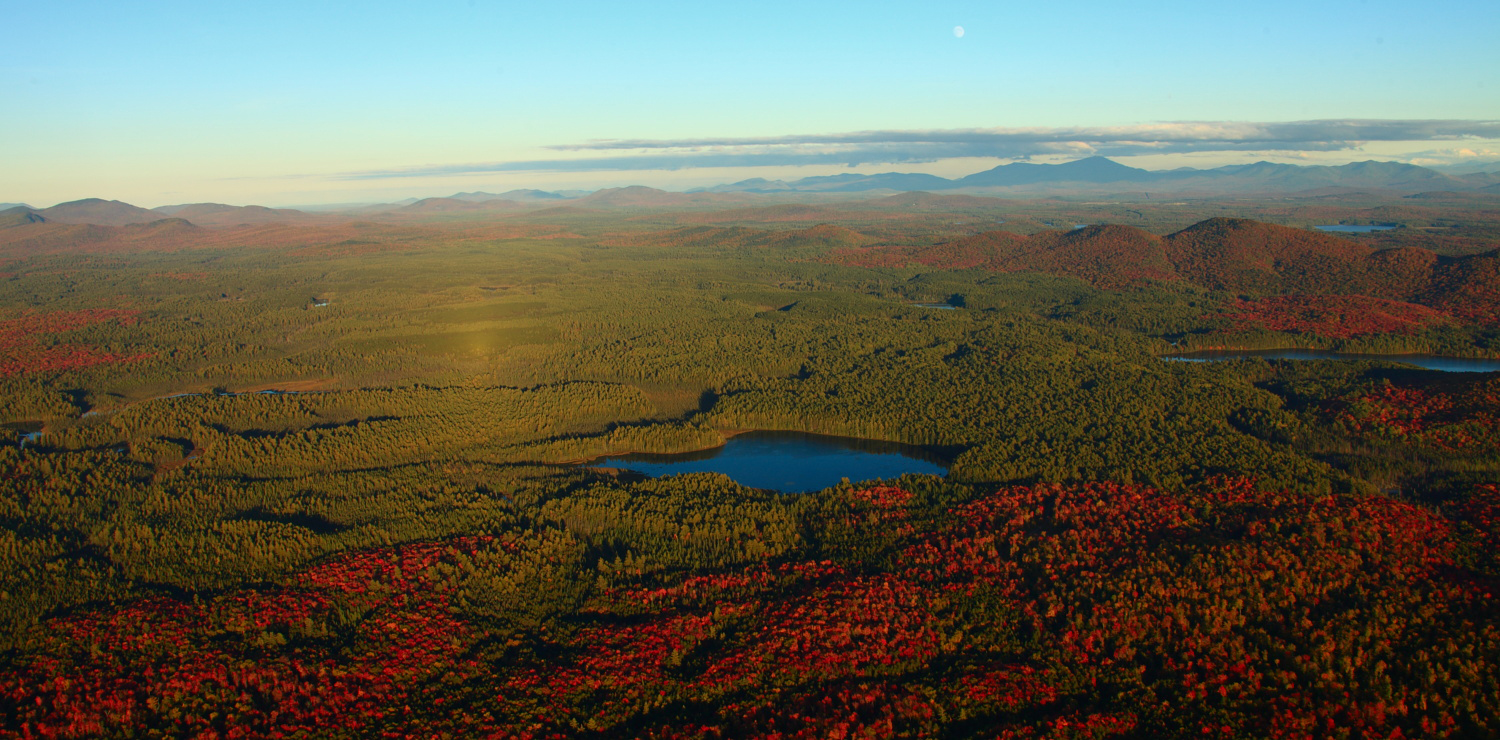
(280,104)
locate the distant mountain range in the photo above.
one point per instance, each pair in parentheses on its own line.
(457,205)
(218,214)
(1096,174)
(99,212)
(516,195)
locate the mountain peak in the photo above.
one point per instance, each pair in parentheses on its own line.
(100,212)
(1089,169)
(1096,162)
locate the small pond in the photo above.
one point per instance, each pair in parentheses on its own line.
(1348,229)
(789,462)
(1427,362)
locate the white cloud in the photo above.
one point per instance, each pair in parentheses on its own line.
(1289,138)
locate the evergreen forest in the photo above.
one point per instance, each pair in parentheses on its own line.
(331,478)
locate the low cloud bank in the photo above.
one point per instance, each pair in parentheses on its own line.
(920,146)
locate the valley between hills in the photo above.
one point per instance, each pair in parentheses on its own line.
(271,472)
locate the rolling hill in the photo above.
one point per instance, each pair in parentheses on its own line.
(98,212)
(1236,255)
(218,214)
(458,205)
(1240,254)
(20,215)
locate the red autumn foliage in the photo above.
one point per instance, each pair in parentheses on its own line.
(1468,288)
(1108,256)
(1464,419)
(1334,316)
(1089,611)
(162,663)
(1480,513)
(1220,253)
(22,351)
(1233,255)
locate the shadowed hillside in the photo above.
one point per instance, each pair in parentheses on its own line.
(20,216)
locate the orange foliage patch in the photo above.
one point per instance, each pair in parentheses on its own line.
(1335,316)
(1458,421)
(22,352)
(1092,610)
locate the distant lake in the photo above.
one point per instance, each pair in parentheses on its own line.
(1341,228)
(940,306)
(790,462)
(1428,362)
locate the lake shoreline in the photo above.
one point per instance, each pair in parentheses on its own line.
(788,461)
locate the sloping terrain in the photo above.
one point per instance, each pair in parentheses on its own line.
(218,214)
(1236,255)
(1239,254)
(99,212)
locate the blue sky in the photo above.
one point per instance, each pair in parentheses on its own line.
(281,103)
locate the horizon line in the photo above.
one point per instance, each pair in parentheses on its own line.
(689,190)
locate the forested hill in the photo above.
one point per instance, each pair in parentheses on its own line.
(1219,254)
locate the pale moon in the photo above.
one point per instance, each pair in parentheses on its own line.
(958,31)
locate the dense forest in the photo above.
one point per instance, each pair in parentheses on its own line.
(270,474)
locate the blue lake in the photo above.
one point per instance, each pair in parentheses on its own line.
(1345,229)
(1428,362)
(789,462)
